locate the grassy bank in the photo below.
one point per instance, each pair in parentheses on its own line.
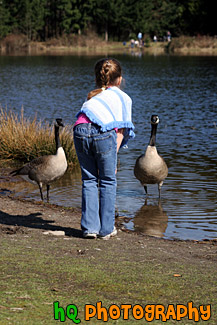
(92,44)
(38,269)
(15,44)
(23,139)
(193,45)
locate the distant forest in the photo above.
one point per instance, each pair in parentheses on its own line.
(116,20)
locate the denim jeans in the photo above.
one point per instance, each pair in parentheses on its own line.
(97,155)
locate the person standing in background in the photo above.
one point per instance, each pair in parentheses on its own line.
(140,38)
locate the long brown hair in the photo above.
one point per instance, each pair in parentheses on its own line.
(107,71)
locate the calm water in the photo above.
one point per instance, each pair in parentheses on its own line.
(181,90)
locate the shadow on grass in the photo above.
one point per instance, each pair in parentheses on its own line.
(33,220)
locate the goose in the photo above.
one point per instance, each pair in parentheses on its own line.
(45,169)
(150,168)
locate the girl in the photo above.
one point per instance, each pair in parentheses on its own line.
(103,125)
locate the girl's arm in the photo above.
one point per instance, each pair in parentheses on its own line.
(120,135)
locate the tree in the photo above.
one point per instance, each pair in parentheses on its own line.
(4,20)
(114,19)
(197,17)
(64,8)
(164,15)
(36,18)
(15,8)
(106,16)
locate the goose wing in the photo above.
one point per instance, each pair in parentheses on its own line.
(35,164)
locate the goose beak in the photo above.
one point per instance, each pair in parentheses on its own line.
(59,122)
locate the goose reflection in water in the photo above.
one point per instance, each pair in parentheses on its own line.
(151,220)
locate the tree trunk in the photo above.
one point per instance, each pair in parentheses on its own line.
(106,32)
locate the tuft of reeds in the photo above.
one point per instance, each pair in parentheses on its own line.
(23,139)
(187,44)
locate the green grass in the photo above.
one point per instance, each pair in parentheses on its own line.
(32,279)
(23,139)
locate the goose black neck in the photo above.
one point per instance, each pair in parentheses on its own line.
(57,138)
(153,135)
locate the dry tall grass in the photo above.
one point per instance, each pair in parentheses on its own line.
(193,45)
(23,139)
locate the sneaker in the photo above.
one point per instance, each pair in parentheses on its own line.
(112,234)
(89,235)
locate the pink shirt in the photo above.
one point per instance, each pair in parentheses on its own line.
(82,118)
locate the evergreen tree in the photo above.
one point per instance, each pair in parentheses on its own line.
(114,19)
(15,8)
(4,20)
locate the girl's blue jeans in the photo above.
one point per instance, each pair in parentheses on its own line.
(97,155)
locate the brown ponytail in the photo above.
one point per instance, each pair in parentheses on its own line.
(94,93)
(107,71)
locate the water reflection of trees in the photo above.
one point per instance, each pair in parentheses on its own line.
(151,220)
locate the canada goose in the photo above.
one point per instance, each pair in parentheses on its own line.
(45,169)
(150,168)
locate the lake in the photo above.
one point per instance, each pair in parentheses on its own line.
(180,89)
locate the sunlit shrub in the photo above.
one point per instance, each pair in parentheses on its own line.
(23,139)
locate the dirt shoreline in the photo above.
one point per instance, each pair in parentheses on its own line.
(18,206)
(181,270)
